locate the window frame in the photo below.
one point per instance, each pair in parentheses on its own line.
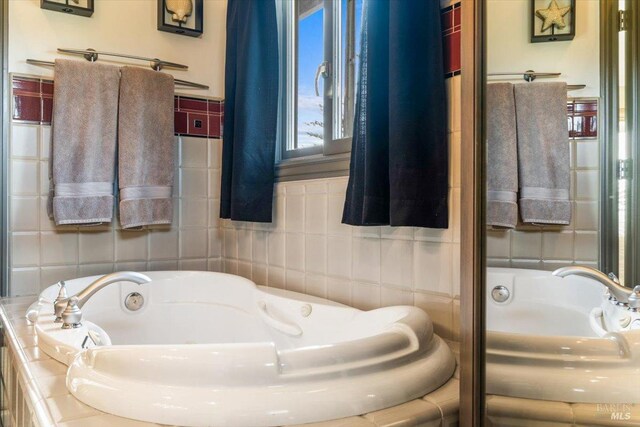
(332,158)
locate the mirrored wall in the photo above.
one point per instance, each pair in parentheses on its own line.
(562,316)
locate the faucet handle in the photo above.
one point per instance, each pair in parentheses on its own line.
(72,316)
(613,277)
(62,295)
(634,298)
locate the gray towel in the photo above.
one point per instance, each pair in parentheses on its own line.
(146,147)
(83,149)
(543,153)
(502,156)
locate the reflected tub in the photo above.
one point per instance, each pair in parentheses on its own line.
(559,339)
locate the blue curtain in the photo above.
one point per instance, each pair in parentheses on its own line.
(251,108)
(399,159)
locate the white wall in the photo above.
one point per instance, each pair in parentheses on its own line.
(127,26)
(509,47)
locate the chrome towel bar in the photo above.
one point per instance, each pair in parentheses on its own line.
(93,55)
(531,75)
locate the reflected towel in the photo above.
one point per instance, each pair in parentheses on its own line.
(146,147)
(502,156)
(83,148)
(543,153)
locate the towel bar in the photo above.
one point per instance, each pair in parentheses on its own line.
(531,75)
(93,55)
(528,75)
(155,63)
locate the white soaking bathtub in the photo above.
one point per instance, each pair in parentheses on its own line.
(215,349)
(559,339)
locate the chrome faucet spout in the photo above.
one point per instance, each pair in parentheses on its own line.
(619,292)
(81,298)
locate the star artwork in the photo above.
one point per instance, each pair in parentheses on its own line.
(553,15)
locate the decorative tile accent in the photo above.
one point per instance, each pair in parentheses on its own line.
(451,39)
(583,118)
(199,117)
(27,100)
(33,103)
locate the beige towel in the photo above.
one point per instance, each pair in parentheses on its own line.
(502,156)
(83,149)
(146,147)
(543,153)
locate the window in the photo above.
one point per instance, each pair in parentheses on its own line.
(318,79)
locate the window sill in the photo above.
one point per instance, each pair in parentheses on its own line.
(313,167)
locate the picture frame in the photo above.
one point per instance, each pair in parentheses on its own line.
(173,19)
(554,32)
(73,7)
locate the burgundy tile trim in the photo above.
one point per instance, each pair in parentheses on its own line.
(47,100)
(197,124)
(585,106)
(457,16)
(33,102)
(450,7)
(47,88)
(47,110)
(446,19)
(191,104)
(26,85)
(180,123)
(215,125)
(215,107)
(583,118)
(451,39)
(27,108)
(452,58)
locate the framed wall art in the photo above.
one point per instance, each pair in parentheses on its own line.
(181,17)
(553,20)
(72,7)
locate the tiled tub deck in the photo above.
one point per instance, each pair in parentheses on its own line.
(34,391)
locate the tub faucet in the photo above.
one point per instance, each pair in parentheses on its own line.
(68,310)
(618,292)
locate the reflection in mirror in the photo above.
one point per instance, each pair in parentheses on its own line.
(563,335)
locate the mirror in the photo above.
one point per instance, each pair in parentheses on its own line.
(562,232)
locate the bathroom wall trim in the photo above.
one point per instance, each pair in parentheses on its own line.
(472,255)
(32,102)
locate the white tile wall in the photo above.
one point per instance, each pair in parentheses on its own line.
(552,247)
(307,248)
(41,253)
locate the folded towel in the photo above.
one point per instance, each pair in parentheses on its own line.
(146,147)
(83,150)
(543,153)
(502,156)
